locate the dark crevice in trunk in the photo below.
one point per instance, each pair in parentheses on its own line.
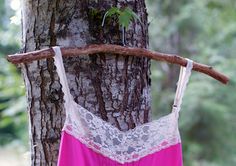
(95,73)
(52,35)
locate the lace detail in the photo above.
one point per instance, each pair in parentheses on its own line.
(120,146)
(108,140)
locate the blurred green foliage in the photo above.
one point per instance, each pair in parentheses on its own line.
(203,30)
(13,118)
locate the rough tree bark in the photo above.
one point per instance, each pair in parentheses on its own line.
(116,88)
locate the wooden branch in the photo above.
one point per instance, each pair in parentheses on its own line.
(116,49)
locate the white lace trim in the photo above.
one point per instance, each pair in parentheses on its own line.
(121,146)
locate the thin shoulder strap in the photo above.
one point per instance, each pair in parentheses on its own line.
(62,74)
(184,75)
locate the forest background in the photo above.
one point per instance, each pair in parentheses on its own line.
(202,30)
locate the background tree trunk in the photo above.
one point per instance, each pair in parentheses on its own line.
(116,88)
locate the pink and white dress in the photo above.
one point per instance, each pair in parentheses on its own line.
(87,140)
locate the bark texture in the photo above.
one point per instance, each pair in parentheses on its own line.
(114,87)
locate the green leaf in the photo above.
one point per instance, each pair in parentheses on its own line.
(125,18)
(133,14)
(113,10)
(110,12)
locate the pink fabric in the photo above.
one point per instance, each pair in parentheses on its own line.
(74,153)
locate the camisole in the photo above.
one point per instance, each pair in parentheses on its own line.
(87,140)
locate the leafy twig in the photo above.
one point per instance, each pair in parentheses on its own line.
(125,16)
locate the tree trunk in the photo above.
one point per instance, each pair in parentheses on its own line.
(113,87)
